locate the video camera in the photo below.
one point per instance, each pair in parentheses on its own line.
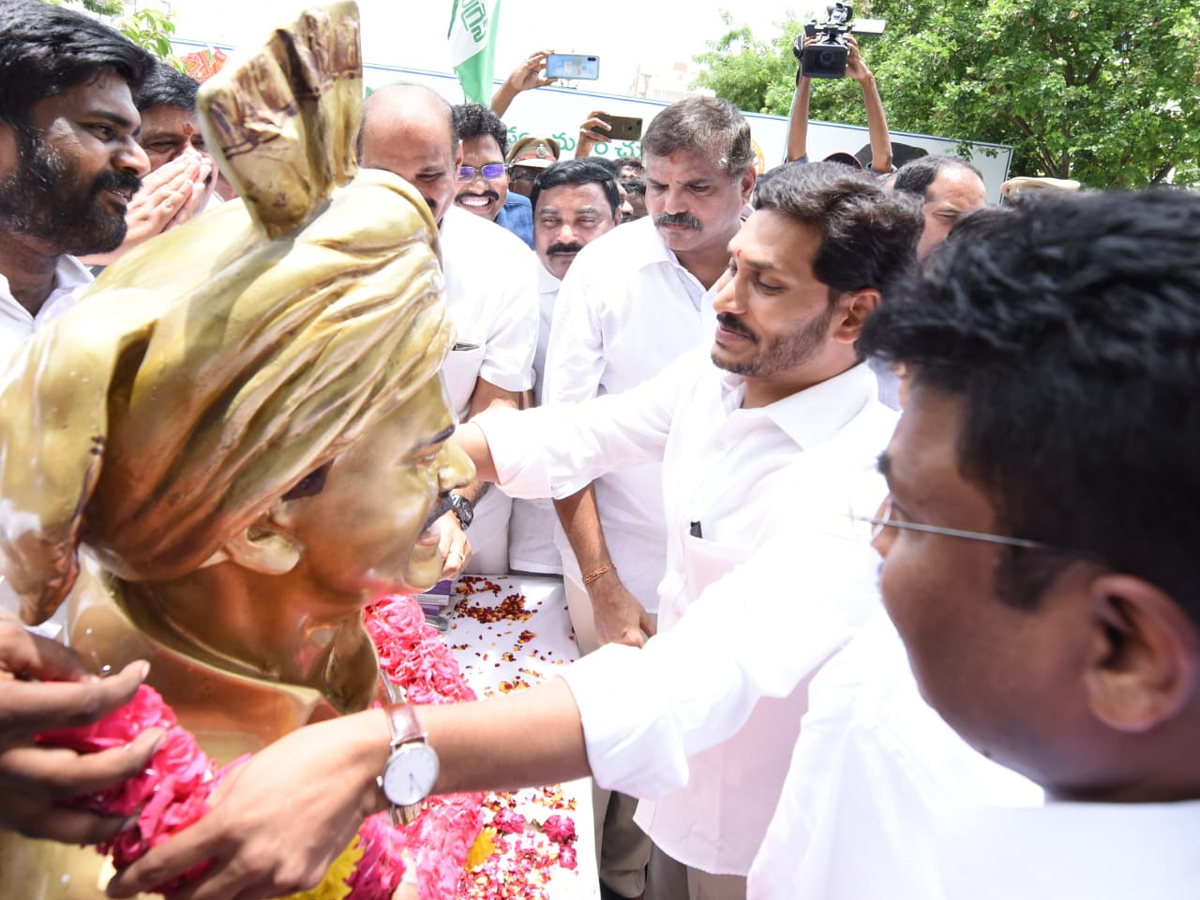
(826,58)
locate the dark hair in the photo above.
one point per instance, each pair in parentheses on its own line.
(1070,326)
(473,120)
(634,186)
(46,50)
(633,162)
(868,234)
(916,176)
(577,171)
(167,86)
(705,125)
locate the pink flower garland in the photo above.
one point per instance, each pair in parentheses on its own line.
(173,792)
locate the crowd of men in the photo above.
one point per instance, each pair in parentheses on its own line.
(676,412)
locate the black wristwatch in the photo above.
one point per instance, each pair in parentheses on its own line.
(463,508)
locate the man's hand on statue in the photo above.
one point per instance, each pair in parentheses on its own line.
(43,687)
(619,616)
(454,545)
(279,820)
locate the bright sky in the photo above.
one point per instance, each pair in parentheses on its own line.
(412,33)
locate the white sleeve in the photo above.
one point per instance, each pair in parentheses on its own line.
(758,632)
(555,451)
(575,348)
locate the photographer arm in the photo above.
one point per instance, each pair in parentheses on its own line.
(797,137)
(881,140)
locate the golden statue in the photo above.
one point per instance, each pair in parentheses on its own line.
(237,438)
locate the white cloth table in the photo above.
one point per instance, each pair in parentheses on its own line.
(497,652)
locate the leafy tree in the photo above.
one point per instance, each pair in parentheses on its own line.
(1104,91)
(150,29)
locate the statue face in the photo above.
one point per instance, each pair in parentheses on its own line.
(367,528)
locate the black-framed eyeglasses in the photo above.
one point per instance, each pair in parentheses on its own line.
(490,172)
(523,173)
(882,520)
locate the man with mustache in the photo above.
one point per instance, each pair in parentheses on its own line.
(483,173)
(68,167)
(491,293)
(762,451)
(633,302)
(574,202)
(69,161)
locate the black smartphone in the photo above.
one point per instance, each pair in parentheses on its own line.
(572,65)
(624,128)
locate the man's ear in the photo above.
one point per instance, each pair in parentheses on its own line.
(749,177)
(1145,660)
(265,547)
(853,308)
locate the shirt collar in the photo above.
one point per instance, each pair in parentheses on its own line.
(548,282)
(814,415)
(70,275)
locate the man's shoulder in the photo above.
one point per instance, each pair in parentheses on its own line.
(619,252)
(471,241)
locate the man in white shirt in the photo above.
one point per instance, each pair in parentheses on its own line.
(788,411)
(491,289)
(1038,564)
(574,202)
(632,303)
(782,434)
(69,163)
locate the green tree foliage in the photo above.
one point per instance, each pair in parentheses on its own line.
(150,29)
(1104,91)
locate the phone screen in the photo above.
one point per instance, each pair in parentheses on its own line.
(572,65)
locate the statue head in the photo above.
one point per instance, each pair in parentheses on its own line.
(218,385)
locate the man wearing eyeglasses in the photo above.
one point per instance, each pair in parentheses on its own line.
(483,175)
(491,293)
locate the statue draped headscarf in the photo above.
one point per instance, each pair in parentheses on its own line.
(210,370)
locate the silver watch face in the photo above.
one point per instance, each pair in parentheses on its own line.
(410,774)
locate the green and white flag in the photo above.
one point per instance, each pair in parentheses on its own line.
(472,37)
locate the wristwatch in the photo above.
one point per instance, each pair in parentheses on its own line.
(463,508)
(412,768)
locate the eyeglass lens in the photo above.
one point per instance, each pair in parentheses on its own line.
(490,172)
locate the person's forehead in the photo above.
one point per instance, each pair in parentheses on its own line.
(958,186)
(107,95)
(565,198)
(164,118)
(770,239)
(922,458)
(482,146)
(685,165)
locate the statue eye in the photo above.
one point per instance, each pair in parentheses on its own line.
(310,485)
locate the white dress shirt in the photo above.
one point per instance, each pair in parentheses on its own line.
(1098,851)
(71,278)
(531,544)
(737,476)
(626,309)
(873,770)
(491,295)
(16,322)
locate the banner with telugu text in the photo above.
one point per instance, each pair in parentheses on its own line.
(472,37)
